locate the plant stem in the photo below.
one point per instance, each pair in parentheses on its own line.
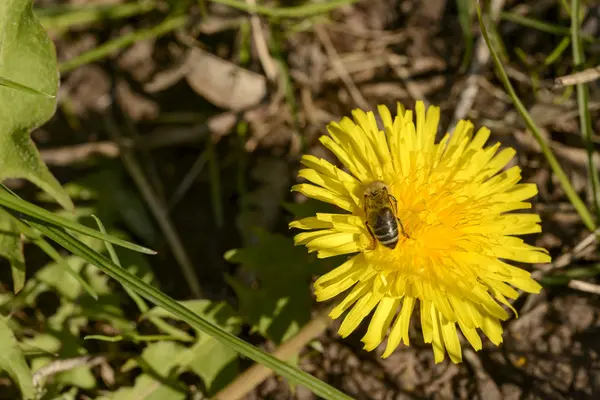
(585,123)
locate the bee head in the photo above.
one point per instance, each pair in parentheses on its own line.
(375,187)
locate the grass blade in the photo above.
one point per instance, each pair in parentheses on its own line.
(28,211)
(585,122)
(579,205)
(301,11)
(565,276)
(215,184)
(542,26)
(557,52)
(159,298)
(63,17)
(140,303)
(110,47)
(464,18)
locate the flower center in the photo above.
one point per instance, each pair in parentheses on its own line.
(434,215)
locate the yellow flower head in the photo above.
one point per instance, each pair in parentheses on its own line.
(453,201)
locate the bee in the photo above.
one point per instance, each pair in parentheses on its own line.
(380,209)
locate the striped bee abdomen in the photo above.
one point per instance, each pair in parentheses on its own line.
(385,228)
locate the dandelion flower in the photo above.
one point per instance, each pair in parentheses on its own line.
(454,200)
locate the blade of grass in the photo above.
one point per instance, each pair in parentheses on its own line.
(302,11)
(579,205)
(585,121)
(542,26)
(216,197)
(63,17)
(157,297)
(569,274)
(112,46)
(13,202)
(557,52)
(133,338)
(276,45)
(23,88)
(464,18)
(140,303)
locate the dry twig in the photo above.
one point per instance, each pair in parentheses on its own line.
(338,66)
(587,75)
(65,365)
(262,48)
(584,286)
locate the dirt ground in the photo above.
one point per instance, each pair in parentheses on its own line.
(372,52)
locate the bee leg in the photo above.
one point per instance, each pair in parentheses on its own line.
(395,203)
(402,228)
(374,241)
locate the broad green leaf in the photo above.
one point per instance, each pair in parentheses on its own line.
(12,361)
(59,280)
(161,357)
(11,248)
(212,361)
(159,362)
(147,388)
(282,304)
(27,57)
(208,358)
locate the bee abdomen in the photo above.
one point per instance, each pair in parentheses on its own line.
(385,228)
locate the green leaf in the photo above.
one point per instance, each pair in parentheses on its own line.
(59,280)
(12,361)
(11,248)
(282,303)
(27,56)
(158,361)
(212,361)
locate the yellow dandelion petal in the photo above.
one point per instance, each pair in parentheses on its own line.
(380,322)
(449,248)
(399,331)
